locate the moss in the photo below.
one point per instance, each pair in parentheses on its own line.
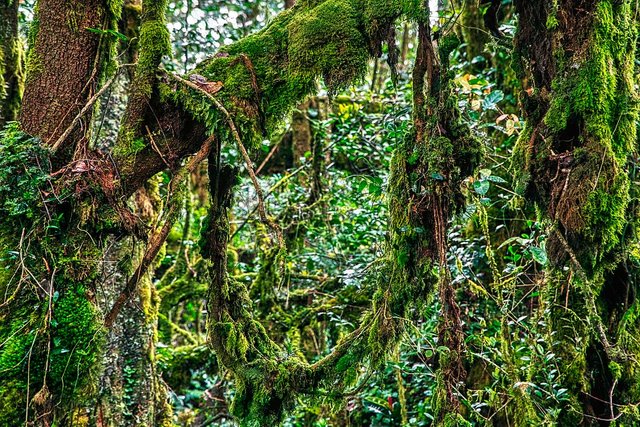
(267,73)
(154,43)
(11,78)
(77,337)
(276,93)
(577,152)
(380,14)
(114,9)
(327,41)
(52,336)
(33,62)
(270,377)
(262,77)
(589,125)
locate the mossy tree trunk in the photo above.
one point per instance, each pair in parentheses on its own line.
(447,153)
(576,156)
(132,392)
(11,62)
(473,31)
(78,244)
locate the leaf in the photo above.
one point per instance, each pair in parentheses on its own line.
(481,186)
(212,87)
(501,118)
(403,258)
(494,178)
(484,173)
(376,404)
(489,102)
(539,255)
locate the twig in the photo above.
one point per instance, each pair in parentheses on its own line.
(273,188)
(590,303)
(266,159)
(155,147)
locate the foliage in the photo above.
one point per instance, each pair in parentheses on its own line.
(339,323)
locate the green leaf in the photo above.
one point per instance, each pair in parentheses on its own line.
(497,179)
(481,187)
(489,102)
(403,257)
(485,173)
(376,404)
(539,255)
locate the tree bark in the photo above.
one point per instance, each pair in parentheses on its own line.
(64,67)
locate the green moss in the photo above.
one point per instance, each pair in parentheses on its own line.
(77,338)
(577,156)
(11,67)
(327,41)
(552,16)
(154,44)
(50,328)
(266,74)
(34,62)
(262,77)
(114,8)
(593,109)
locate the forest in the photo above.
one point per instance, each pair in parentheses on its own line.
(319,213)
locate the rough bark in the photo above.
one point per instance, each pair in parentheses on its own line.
(63,69)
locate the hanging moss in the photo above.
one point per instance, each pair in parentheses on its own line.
(576,152)
(270,377)
(265,74)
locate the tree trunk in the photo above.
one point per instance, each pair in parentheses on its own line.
(61,364)
(474,32)
(576,155)
(55,91)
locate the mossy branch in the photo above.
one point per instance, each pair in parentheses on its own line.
(245,155)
